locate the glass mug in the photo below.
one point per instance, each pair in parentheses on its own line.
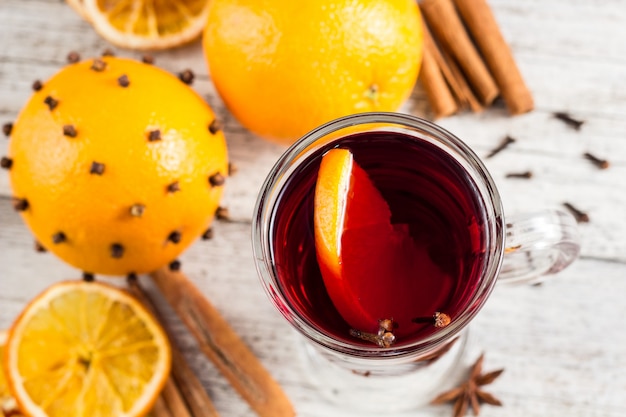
(422,171)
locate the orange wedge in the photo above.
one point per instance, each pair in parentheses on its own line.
(341,182)
(86,349)
(372,269)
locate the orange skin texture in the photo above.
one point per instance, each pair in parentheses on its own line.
(52,171)
(284,67)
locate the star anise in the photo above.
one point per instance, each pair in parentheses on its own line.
(469,394)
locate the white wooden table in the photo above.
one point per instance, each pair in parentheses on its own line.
(563,344)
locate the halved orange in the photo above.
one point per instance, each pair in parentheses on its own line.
(8,406)
(147,24)
(372,269)
(86,349)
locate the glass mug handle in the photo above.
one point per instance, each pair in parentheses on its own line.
(538,244)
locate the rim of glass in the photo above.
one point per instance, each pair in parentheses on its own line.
(416,127)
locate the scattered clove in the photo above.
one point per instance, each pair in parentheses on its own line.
(108,52)
(73,57)
(98,65)
(215,126)
(58,237)
(154,135)
(173,187)
(208,234)
(123,81)
(600,163)
(175,265)
(96,168)
(7,128)
(117,250)
(137,210)
(524,175)
(147,59)
(569,120)
(508,140)
(69,130)
(88,277)
(579,215)
(6,162)
(174,237)
(51,102)
(37,85)
(20,204)
(217,180)
(186,76)
(132,277)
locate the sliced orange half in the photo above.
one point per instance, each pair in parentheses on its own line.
(86,349)
(8,406)
(147,24)
(372,269)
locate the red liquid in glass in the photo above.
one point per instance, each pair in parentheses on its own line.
(426,189)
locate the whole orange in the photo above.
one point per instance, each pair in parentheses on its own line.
(283,67)
(116,165)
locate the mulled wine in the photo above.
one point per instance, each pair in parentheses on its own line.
(426,189)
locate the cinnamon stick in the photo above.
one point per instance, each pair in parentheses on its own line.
(439,95)
(467,95)
(219,342)
(159,409)
(174,400)
(185,389)
(443,19)
(480,21)
(191,388)
(453,83)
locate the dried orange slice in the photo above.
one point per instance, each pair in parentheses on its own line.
(8,406)
(147,24)
(86,349)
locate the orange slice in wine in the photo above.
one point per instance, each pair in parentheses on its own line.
(372,269)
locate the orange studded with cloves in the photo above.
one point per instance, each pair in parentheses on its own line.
(85,157)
